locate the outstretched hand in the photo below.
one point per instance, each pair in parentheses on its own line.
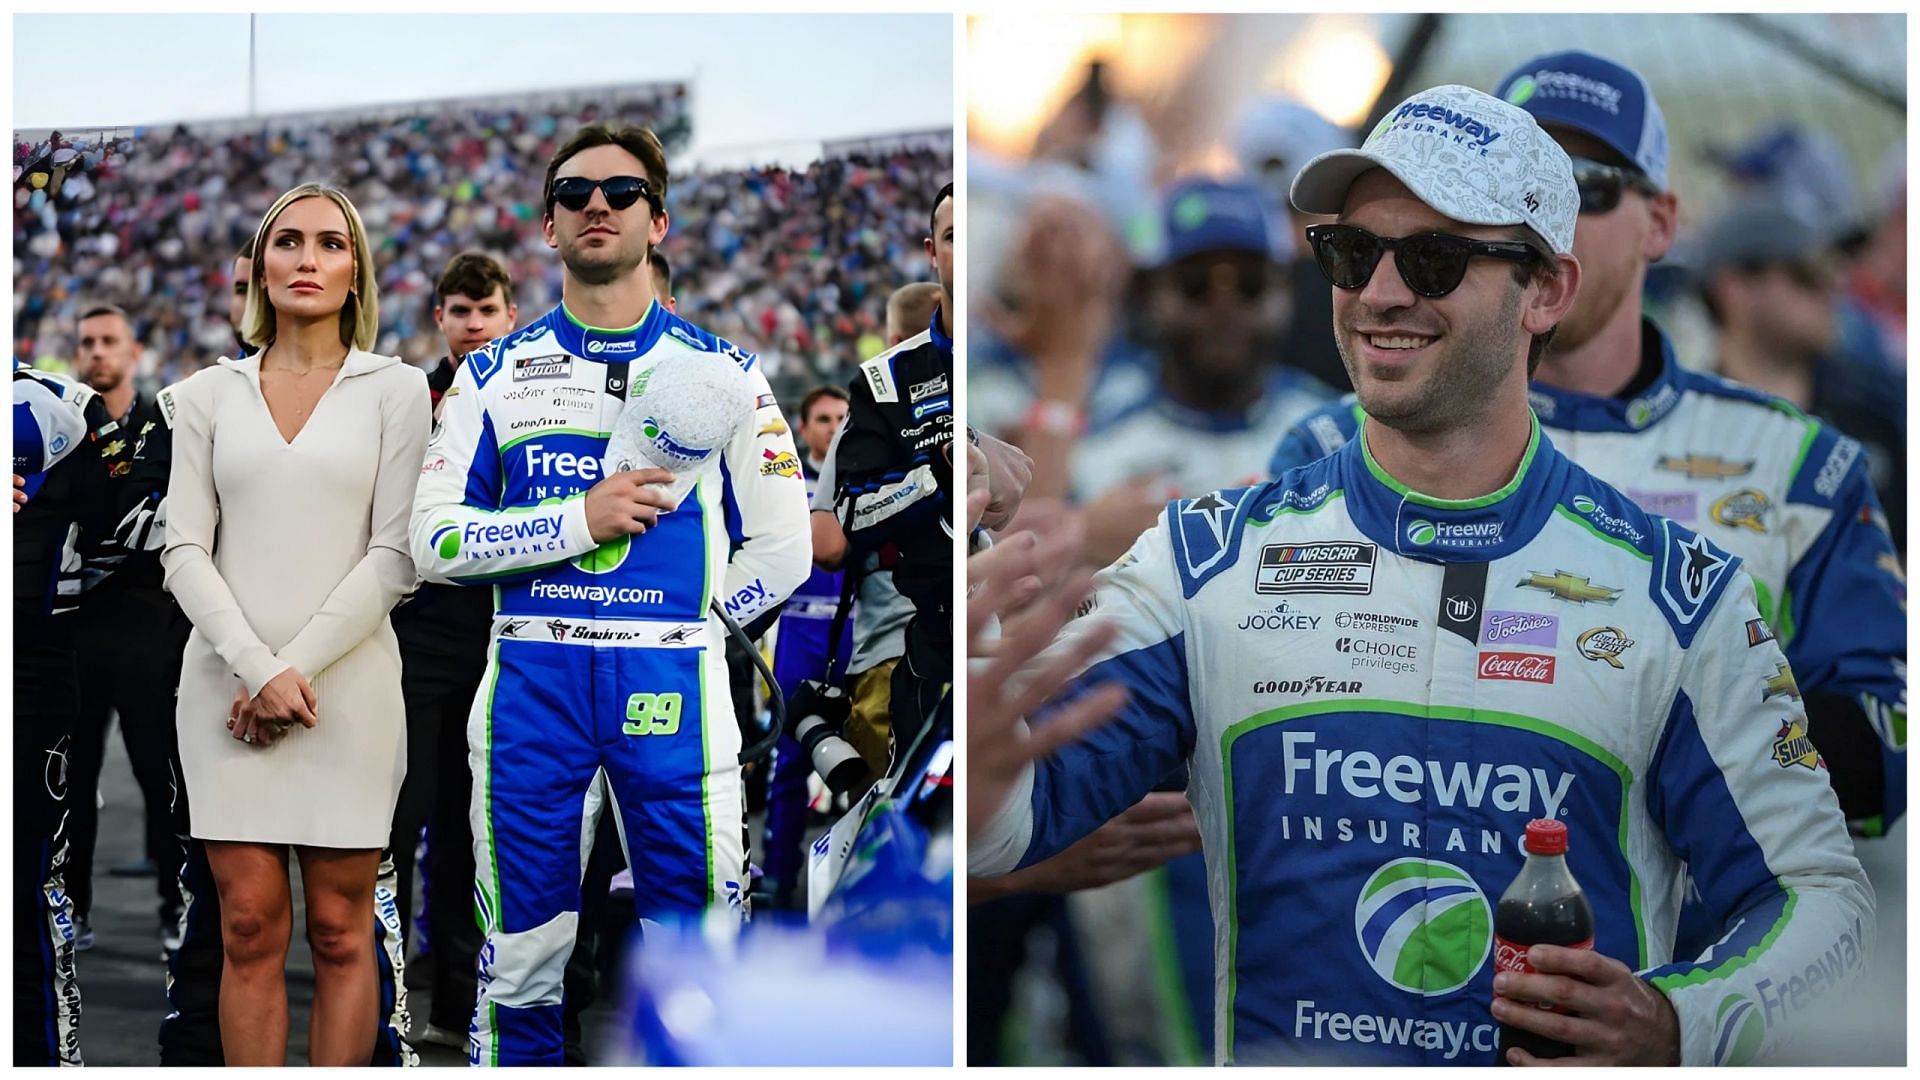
(1031,584)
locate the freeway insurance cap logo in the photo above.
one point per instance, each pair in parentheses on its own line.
(1424,925)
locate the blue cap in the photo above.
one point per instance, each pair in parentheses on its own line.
(1214,215)
(1606,100)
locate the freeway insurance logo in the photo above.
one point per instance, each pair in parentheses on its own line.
(1424,925)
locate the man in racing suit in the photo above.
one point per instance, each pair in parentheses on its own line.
(604,654)
(1788,494)
(1374,689)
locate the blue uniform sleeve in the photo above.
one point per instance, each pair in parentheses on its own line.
(1843,619)
(1079,788)
(1739,793)
(1318,434)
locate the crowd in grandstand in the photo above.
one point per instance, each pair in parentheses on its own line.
(794,263)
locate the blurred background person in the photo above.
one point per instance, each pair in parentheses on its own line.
(1273,138)
(133,634)
(662,271)
(312,310)
(442,632)
(1771,284)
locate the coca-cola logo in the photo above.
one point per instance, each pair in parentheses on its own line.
(1518,667)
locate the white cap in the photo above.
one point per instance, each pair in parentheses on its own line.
(1469,155)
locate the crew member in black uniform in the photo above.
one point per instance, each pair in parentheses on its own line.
(894,477)
(129,637)
(67,448)
(443,651)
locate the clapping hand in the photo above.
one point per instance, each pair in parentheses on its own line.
(1031,583)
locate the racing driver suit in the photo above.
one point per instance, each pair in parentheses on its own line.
(602,658)
(1374,691)
(1789,495)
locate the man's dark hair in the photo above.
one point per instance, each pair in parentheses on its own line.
(641,142)
(815,394)
(662,267)
(1544,268)
(473,274)
(246,248)
(944,194)
(98,310)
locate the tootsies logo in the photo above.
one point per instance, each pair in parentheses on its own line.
(1520,628)
(1516,667)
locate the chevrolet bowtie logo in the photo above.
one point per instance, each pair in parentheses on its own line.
(1571,587)
(1781,683)
(1705,466)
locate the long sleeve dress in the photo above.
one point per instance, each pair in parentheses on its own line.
(291,555)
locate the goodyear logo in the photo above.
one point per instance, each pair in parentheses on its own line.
(1424,925)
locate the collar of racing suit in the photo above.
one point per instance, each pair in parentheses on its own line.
(1437,530)
(1570,411)
(600,343)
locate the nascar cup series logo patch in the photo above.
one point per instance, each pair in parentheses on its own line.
(1424,925)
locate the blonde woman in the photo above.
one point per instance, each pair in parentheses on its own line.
(293,477)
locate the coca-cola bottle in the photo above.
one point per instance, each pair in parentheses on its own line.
(1543,906)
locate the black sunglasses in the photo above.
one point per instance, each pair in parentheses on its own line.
(1195,280)
(1432,264)
(575,192)
(1602,185)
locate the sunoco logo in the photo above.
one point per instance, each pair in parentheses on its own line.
(1424,925)
(1738,1030)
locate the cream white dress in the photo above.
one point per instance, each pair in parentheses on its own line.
(291,555)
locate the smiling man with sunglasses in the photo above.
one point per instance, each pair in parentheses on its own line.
(604,658)
(1788,494)
(1378,667)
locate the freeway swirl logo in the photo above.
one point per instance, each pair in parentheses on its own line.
(446,539)
(1424,925)
(1738,1031)
(1421,532)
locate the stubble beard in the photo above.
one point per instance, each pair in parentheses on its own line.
(1458,386)
(590,269)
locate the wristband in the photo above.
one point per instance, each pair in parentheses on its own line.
(1047,416)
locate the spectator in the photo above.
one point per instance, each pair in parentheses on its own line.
(1768,282)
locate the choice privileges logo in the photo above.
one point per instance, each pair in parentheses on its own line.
(1424,925)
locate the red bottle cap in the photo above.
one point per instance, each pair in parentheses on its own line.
(1547,837)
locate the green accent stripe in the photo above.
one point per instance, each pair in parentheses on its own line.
(604,330)
(545,432)
(1574,516)
(1417,868)
(706,776)
(1418,711)
(1169,988)
(1412,496)
(493,850)
(1669,983)
(1784,628)
(1806,439)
